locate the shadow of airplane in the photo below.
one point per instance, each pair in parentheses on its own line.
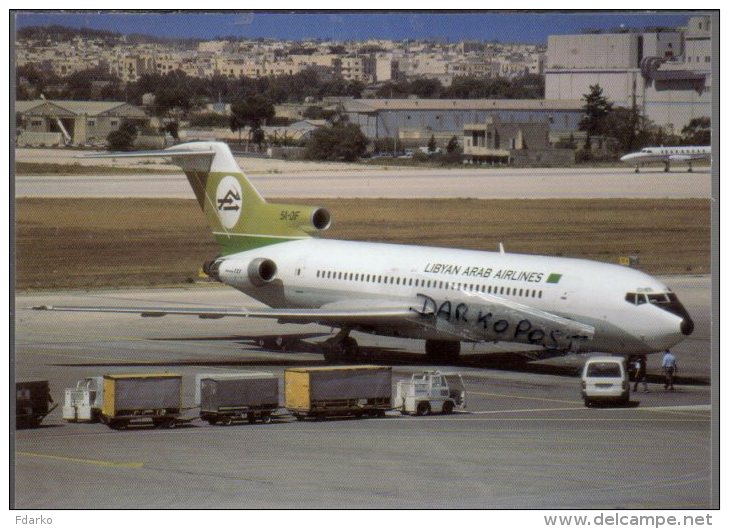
(285,346)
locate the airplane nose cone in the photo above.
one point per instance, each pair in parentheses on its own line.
(687,326)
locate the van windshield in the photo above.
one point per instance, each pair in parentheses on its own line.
(604,369)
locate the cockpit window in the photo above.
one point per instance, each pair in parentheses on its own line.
(658,299)
(635,298)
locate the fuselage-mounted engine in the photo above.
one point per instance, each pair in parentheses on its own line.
(242,273)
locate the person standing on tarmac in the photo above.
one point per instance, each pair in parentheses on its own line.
(670,367)
(640,373)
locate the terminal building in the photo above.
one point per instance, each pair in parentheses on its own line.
(666,73)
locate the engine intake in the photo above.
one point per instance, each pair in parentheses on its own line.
(245,273)
(262,271)
(321,219)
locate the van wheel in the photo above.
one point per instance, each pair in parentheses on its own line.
(588,403)
(423,408)
(447,407)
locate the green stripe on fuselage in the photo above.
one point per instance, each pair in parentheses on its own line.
(233,243)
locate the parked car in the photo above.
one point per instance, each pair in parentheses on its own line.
(605,379)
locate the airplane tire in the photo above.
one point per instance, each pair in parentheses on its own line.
(442,349)
(350,349)
(330,354)
(342,350)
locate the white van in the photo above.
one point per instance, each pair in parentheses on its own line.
(605,379)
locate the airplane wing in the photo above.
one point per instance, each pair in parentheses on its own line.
(472,317)
(680,157)
(331,314)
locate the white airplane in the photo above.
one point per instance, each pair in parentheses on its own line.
(666,155)
(444,296)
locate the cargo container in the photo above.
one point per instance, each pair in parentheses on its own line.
(225,398)
(338,391)
(83,403)
(133,398)
(32,400)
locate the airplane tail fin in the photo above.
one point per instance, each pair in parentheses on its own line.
(238,215)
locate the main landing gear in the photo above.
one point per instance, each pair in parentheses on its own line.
(340,348)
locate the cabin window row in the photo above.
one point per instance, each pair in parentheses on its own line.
(428,283)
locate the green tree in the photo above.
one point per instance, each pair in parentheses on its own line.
(453,145)
(341,142)
(627,126)
(697,132)
(426,88)
(597,108)
(175,91)
(258,137)
(123,138)
(431,144)
(251,112)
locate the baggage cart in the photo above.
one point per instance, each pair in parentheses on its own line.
(142,398)
(231,397)
(355,391)
(32,400)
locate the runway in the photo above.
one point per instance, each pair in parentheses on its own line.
(527,441)
(366,182)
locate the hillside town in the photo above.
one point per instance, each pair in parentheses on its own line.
(479,101)
(370,61)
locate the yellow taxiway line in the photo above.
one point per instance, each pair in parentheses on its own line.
(97,462)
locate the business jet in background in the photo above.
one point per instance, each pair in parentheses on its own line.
(666,155)
(441,295)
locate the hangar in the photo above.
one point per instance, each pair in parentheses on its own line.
(419,119)
(43,122)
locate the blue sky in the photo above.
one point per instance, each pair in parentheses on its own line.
(506,27)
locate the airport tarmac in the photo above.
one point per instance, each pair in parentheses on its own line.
(527,441)
(378,182)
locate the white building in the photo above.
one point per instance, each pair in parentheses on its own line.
(651,70)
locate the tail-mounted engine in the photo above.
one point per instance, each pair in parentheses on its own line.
(211,268)
(241,273)
(309,219)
